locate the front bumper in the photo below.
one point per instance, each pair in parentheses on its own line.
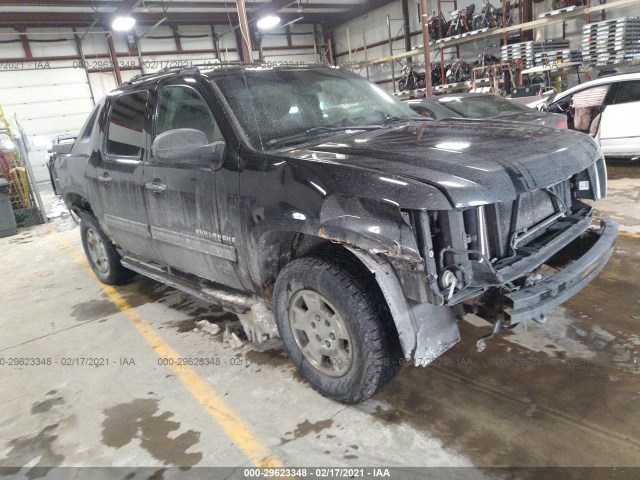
(591,252)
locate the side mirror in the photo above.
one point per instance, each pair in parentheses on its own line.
(213,154)
(188,145)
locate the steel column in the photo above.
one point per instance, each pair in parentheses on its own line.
(393,70)
(407,27)
(216,43)
(424,22)
(84,65)
(114,59)
(176,37)
(140,60)
(245,36)
(25,42)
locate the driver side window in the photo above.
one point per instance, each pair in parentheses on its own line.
(183,107)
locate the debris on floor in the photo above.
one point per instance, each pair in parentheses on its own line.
(232,338)
(208,327)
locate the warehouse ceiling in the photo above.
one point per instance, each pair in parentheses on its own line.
(78,13)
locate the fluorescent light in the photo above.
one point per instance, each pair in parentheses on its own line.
(268,22)
(123,24)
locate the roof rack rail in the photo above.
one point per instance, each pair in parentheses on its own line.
(162,71)
(195,68)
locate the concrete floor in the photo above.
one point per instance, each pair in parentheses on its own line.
(561,394)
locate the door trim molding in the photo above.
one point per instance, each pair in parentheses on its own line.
(129,226)
(210,247)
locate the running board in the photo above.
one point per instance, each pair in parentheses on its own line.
(206,291)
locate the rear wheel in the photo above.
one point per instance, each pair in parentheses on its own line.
(480,22)
(336,328)
(101,253)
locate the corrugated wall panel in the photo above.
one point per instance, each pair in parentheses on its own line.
(13,49)
(45,46)
(156,44)
(196,43)
(102,83)
(45,109)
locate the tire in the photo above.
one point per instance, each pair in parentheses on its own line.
(101,254)
(354,301)
(478,22)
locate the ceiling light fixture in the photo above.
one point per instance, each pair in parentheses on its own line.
(268,22)
(123,23)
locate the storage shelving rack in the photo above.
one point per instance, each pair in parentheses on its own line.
(545,20)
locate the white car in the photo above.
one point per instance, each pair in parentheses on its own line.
(608,108)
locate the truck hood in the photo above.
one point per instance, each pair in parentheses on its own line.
(472,163)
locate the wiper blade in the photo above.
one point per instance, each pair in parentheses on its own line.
(317,130)
(394,118)
(339,129)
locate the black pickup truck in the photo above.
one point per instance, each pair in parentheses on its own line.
(326,213)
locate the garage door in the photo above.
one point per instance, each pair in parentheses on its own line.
(46,103)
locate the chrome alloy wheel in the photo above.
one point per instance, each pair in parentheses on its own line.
(97,251)
(321,333)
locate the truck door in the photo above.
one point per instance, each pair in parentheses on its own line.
(119,174)
(619,129)
(181,198)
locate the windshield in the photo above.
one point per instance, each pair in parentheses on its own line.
(302,105)
(489,106)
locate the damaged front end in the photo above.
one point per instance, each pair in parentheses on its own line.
(507,262)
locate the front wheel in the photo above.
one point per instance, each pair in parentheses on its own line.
(101,253)
(480,22)
(336,327)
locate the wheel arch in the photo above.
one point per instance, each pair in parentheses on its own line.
(425,331)
(78,203)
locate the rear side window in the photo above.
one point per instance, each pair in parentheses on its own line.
(628,92)
(126,135)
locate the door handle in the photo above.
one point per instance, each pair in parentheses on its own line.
(105,179)
(155,187)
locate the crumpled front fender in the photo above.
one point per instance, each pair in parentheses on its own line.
(425,331)
(374,226)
